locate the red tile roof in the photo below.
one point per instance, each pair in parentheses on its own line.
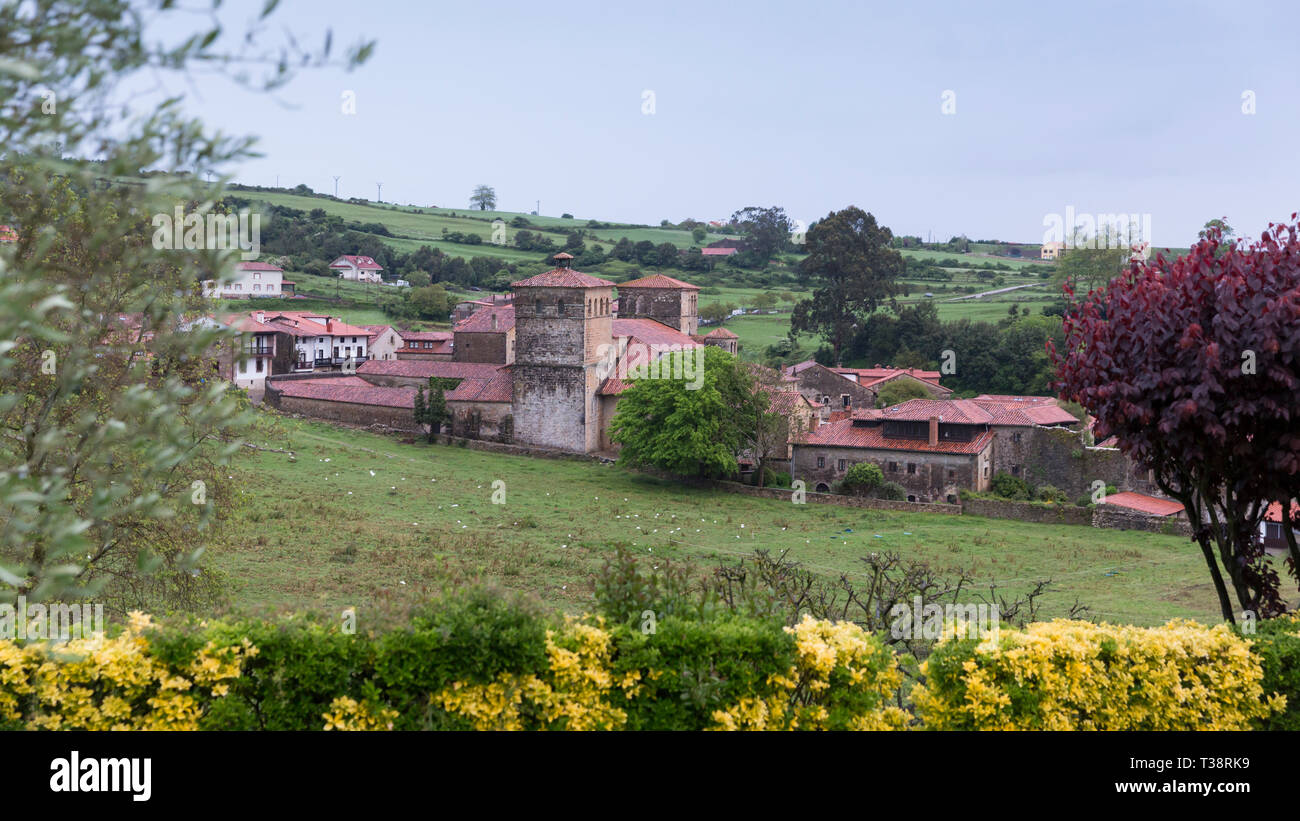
(613,386)
(363,263)
(306,323)
(330,390)
(562,278)
(659,281)
(1274,512)
(425,368)
(871,376)
(844,434)
(426,336)
(481,320)
(8,234)
(258,266)
(1151,505)
(720,333)
(650,332)
(952,411)
(248,324)
(717,252)
(498,388)
(1003,411)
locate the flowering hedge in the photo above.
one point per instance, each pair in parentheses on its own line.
(1074,675)
(482,662)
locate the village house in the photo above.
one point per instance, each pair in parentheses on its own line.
(1051,250)
(466,308)
(384,341)
(252,279)
(249,360)
(357,268)
(1271,531)
(320,341)
(437,345)
(488,335)
(934,448)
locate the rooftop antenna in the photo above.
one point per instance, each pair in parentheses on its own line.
(336,186)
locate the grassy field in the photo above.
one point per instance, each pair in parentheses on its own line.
(360,518)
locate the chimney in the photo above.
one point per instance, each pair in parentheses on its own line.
(329,324)
(261,317)
(494,320)
(934,430)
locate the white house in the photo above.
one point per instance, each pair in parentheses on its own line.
(358,268)
(252,279)
(322,341)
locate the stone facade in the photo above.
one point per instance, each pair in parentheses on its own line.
(822,385)
(675,307)
(927,477)
(497,348)
(1059,457)
(561,331)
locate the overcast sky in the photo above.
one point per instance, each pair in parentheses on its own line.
(1102,107)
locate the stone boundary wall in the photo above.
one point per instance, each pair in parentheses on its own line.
(813,497)
(1122,518)
(1027,512)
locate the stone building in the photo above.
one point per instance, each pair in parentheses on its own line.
(934,448)
(724,339)
(562,320)
(486,336)
(662,298)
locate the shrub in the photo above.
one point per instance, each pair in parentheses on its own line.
(892,491)
(1049,493)
(1276,643)
(1011,487)
(1073,675)
(862,478)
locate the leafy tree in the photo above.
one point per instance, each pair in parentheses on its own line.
(663,423)
(765,301)
(1093,260)
(1011,487)
(430,302)
(484,198)
(715,312)
(1194,365)
(854,269)
(114,434)
(767,229)
(698,233)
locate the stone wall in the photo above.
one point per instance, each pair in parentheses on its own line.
(671,306)
(496,348)
(480,420)
(347,412)
(1027,512)
(1058,457)
(1123,518)
(934,477)
(818,381)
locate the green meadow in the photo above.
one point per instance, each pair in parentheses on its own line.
(356,518)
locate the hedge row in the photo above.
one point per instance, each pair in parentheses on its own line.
(480,662)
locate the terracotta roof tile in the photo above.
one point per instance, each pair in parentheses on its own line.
(330,390)
(562,278)
(1151,505)
(425,368)
(845,434)
(659,281)
(481,320)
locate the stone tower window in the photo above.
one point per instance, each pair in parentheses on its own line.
(537,307)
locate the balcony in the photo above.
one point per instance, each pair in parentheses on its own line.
(259,350)
(340,360)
